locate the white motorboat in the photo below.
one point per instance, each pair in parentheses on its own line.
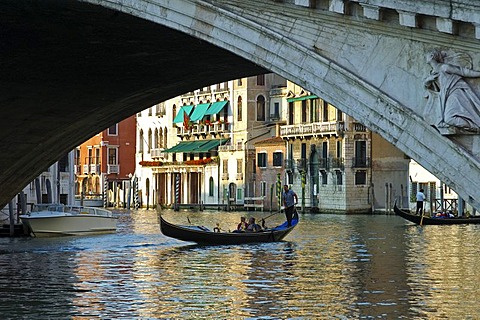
(47,220)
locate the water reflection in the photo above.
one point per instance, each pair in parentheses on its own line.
(330,266)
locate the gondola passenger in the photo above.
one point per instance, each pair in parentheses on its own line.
(253,226)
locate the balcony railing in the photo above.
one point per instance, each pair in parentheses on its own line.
(224,176)
(94,168)
(113,168)
(85,169)
(358,162)
(200,129)
(302,164)
(239,176)
(337,163)
(181,131)
(358,127)
(157,153)
(313,129)
(289,165)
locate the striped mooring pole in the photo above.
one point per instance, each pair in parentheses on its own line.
(279,191)
(177,190)
(137,203)
(105,193)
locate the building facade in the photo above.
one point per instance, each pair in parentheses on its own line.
(105,164)
(329,160)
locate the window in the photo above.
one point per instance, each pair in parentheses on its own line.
(140,142)
(263,189)
(63,164)
(112,156)
(225,166)
(360,154)
(304,111)
(291,113)
(239,194)
(77,157)
(277,159)
(361,177)
(276,110)
(339,115)
(239,166)
(314,110)
(112,131)
(239,82)
(150,111)
(339,149)
(262,160)
(97,156)
(303,151)
(261,80)
(261,108)
(149,146)
(155,139)
(239,108)
(323,173)
(165,134)
(211,187)
(90,156)
(325,111)
(339,177)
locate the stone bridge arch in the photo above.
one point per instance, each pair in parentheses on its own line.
(370,70)
(367,69)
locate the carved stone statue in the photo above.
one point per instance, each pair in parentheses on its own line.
(452,101)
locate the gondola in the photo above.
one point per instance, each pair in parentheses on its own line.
(203,235)
(434,220)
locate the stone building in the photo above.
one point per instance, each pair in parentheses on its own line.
(334,163)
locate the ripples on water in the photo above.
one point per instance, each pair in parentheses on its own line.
(330,267)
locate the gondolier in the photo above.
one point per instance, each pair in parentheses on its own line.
(290,199)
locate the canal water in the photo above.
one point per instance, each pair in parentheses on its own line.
(329,267)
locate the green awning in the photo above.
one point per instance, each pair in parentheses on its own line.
(199,111)
(179,117)
(211,144)
(216,107)
(302,98)
(196,146)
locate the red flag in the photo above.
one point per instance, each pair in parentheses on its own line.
(186,120)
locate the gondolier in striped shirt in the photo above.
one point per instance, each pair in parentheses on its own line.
(290,199)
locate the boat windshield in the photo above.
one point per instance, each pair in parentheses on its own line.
(48,207)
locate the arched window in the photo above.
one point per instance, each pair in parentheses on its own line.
(260,108)
(174,108)
(140,142)
(155,139)
(239,108)
(160,138)
(211,187)
(165,131)
(149,146)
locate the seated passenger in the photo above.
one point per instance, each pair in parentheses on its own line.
(252,226)
(242,226)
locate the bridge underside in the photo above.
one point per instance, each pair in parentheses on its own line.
(69,70)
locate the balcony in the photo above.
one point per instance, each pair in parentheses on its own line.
(239,176)
(182,132)
(77,169)
(113,168)
(289,165)
(302,165)
(157,153)
(359,162)
(358,127)
(85,169)
(198,129)
(95,169)
(219,128)
(312,129)
(337,163)
(224,176)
